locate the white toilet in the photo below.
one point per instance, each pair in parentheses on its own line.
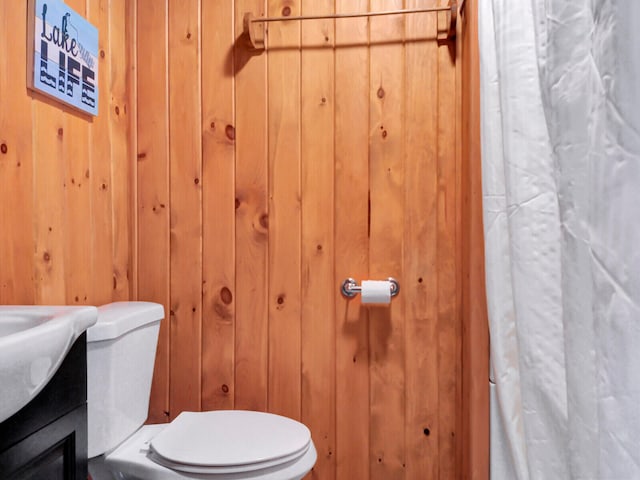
(217,445)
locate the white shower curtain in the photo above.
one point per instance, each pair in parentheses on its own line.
(560,84)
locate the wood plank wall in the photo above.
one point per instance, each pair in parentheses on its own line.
(475,333)
(240,188)
(264,180)
(66,220)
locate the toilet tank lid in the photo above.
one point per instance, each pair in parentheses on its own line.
(116,319)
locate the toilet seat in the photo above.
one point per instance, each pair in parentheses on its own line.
(134,459)
(229,441)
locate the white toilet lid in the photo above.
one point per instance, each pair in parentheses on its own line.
(226,441)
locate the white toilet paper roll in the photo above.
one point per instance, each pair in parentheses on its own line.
(376,291)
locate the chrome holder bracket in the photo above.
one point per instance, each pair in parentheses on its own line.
(350,287)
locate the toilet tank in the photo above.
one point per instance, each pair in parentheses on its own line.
(121,350)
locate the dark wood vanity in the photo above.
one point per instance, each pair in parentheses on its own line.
(47,438)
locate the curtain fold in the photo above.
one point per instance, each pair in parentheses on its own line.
(561,184)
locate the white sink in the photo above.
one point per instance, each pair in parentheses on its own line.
(34,341)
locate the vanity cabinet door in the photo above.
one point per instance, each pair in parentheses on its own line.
(47,439)
(56,452)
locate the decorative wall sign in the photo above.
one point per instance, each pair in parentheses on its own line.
(63,49)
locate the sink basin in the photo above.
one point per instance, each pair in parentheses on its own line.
(34,341)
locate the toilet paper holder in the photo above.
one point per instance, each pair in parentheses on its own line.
(350,287)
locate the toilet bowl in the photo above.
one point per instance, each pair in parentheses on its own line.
(215,445)
(136,458)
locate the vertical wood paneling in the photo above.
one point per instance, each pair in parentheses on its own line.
(49,199)
(218,140)
(351,240)
(318,291)
(153,201)
(185,150)
(77,174)
(101,281)
(75,147)
(131,109)
(16,168)
(284,212)
(259,178)
(252,197)
(48,191)
(262,180)
(456,48)
(252,219)
(386,177)
(448,309)
(121,154)
(475,325)
(421,246)
(70,239)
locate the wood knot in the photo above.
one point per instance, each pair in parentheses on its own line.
(46,257)
(230,132)
(60,132)
(102,54)
(225,388)
(286,11)
(3,148)
(117,110)
(237,202)
(196,181)
(380,92)
(280,299)
(188,35)
(264,221)
(226,296)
